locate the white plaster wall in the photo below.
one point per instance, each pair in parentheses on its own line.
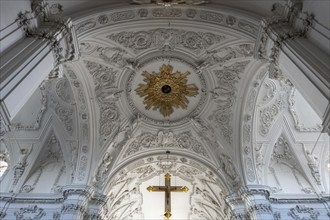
(9,10)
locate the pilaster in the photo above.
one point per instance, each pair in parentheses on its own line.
(257,202)
(97,209)
(75,203)
(49,41)
(283,42)
(237,207)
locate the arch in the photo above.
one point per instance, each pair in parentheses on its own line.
(206,185)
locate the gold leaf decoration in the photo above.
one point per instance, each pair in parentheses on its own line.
(166,90)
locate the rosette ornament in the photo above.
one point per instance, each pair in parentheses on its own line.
(165,90)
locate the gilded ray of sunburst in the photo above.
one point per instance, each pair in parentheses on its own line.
(166,90)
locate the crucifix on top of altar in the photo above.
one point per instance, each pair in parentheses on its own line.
(167,188)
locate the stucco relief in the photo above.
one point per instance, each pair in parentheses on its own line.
(207,201)
(107,95)
(85,26)
(78,160)
(225,96)
(40,114)
(115,56)
(270,91)
(220,56)
(205,131)
(313,164)
(30,212)
(270,113)
(162,12)
(284,165)
(169,3)
(165,139)
(64,113)
(122,15)
(249,27)
(103,170)
(125,199)
(298,122)
(160,38)
(63,90)
(227,167)
(211,16)
(300,211)
(19,168)
(50,161)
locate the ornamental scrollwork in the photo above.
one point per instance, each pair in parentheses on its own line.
(299,211)
(225,96)
(107,94)
(142,40)
(27,212)
(269,114)
(184,141)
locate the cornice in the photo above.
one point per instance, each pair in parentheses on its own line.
(232,20)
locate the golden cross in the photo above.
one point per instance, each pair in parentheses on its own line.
(167,189)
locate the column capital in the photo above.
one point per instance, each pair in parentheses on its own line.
(56,29)
(79,190)
(251,190)
(287,22)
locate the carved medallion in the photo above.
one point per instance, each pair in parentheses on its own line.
(166,90)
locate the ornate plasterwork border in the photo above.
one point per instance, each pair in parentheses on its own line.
(298,124)
(79,151)
(225,96)
(145,118)
(166,140)
(40,114)
(166,39)
(127,182)
(247,126)
(236,21)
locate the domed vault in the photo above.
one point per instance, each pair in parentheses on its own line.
(170,87)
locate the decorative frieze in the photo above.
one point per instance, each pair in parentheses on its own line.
(260,208)
(300,211)
(196,42)
(164,12)
(168,3)
(183,141)
(72,208)
(30,212)
(122,16)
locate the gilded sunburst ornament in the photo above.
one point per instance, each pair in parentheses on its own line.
(166,90)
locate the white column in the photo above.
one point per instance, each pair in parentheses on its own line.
(257,203)
(49,41)
(75,203)
(283,42)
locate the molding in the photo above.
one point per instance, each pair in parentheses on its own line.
(235,21)
(56,29)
